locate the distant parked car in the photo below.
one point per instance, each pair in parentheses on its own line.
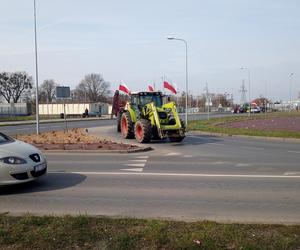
(236,109)
(262,109)
(19,162)
(255,109)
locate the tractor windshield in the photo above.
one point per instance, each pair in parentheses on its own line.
(151,97)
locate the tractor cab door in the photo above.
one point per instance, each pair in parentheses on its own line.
(134,101)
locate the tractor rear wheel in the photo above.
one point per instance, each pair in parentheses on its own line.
(142,131)
(119,115)
(126,126)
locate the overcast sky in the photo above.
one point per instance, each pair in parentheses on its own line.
(126,40)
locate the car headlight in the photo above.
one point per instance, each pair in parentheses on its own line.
(13,160)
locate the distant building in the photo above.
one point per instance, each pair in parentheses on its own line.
(15,109)
(75,109)
(287,105)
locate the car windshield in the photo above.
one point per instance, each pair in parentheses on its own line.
(5,139)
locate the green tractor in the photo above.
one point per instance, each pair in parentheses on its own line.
(145,117)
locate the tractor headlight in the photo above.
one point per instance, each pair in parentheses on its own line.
(12,160)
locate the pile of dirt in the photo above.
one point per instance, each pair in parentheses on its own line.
(269,124)
(73,139)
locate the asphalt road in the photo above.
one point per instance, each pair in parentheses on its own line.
(31,128)
(20,128)
(204,177)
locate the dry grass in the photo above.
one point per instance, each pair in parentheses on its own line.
(76,135)
(73,139)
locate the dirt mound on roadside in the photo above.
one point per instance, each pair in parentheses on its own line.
(73,139)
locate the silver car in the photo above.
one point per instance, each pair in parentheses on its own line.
(19,162)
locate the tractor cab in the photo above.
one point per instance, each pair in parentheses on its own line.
(141,99)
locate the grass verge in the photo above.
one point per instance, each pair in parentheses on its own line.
(83,232)
(215,125)
(26,118)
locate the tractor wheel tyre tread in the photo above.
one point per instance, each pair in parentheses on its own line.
(143,131)
(119,115)
(127,126)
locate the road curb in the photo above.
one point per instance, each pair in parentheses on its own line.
(128,151)
(282,139)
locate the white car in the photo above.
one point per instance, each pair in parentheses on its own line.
(19,162)
(255,109)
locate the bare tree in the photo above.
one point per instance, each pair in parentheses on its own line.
(218,99)
(5,90)
(47,90)
(181,100)
(13,85)
(93,88)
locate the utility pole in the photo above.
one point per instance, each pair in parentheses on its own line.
(207,99)
(243,68)
(36,73)
(290,91)
(186,76)
(243,92)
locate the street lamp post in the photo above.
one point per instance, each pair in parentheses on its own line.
(186,76)
(290,91)
(36,73)
(243,68)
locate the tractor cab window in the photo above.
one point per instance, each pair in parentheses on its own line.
(157,99)
(134,99)
(145,99)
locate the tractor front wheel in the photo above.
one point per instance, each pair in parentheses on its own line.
(142,131)
(126,126)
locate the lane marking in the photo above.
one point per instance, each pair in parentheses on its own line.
(172,153)
(219,162)
(23,128)
(193,136)
(216,144)
(243,165)
(294,152)
(252,148)
(133,169)
(135,165)
(188,156)
(292,173)
(56,126)
(184,175)
(140,163)
(138,160)
(142,157)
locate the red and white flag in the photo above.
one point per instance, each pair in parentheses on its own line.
(123,87)
(150,88)
(170,87)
